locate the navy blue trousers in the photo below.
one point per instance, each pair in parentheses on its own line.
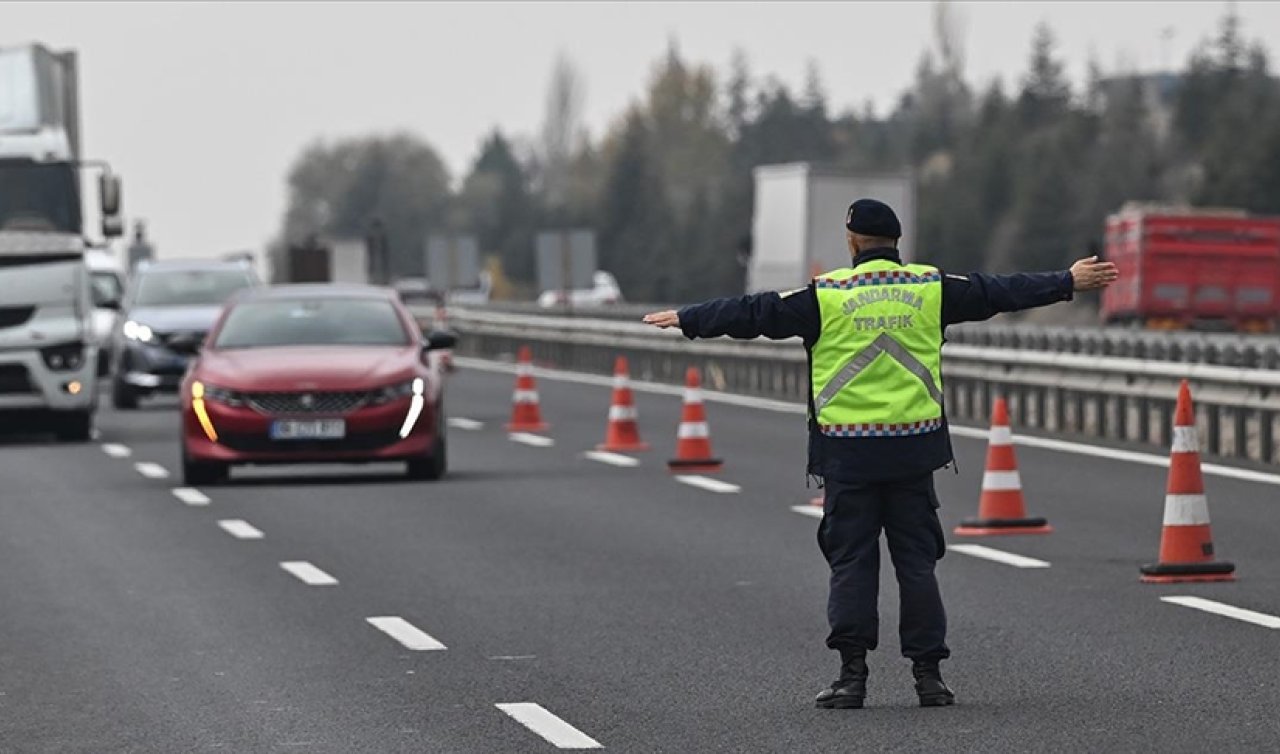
(849,535)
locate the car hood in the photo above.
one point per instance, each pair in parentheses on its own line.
(166,319)
(308,368)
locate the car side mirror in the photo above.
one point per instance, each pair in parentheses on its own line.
(439,339)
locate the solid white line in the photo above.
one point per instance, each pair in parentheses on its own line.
(240,529)
(151,470)
(537,441)
(613,459)
(116,450)
(999,556)
(707,483)
(808,510)
(190,496)
(557,732)
(406,633)
(307,573)
(461,422)
(958,430)
(1228,611)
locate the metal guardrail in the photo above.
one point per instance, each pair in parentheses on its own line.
(1109,397)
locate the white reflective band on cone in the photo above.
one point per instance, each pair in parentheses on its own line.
(622,413)
(1001,436)
(621,380)
(1186,510)
(1186,440)
(692,395)
(526,396)
(1001,480)
(692,431)
(524,370)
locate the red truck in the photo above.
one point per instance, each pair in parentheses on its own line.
(1184,268)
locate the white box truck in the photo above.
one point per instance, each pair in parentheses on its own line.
(798,225)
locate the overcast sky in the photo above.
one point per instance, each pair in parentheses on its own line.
(202,107)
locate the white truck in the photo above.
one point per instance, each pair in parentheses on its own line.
(798,226)
(48,348)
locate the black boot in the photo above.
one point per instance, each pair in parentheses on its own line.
(850,688)
(929,685)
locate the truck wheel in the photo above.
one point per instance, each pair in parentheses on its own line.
(74,426)
(122,396)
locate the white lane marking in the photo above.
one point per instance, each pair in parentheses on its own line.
(808,510)
(151,470)
(461,422)
(707,483)
(557,732)
(999,556)
(307,573)
(116,450)
(613,459)
(240,529)
(1229,611)
(513,658)
(405,632)
(959,430)
(190,496)
(537,441)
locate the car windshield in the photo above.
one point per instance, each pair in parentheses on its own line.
(189,287)
(313,322)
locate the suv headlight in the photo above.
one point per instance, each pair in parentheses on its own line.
(63,358)
(395,392)
(137,331)
(223,395)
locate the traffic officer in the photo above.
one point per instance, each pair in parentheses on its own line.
(877,429)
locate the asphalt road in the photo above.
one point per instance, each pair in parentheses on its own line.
(641,613)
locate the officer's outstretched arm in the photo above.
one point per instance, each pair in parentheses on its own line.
(768,315)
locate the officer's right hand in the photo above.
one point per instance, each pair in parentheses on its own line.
(1089,274)
(669,318)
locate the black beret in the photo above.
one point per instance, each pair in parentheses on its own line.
(868,217)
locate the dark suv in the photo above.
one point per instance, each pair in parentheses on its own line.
(167,311)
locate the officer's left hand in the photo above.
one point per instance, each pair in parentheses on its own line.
(669,318)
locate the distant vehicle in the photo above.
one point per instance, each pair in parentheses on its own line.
(1184,268)
(48,351)
(311,374)
(604,292)
(417,291)
(168,310)
(106,281)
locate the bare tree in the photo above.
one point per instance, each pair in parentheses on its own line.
(561,130)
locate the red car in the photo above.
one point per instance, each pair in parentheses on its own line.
(314,374)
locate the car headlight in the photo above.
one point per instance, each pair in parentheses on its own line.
(396,392)
(63,358)
(223,395)
(137,331)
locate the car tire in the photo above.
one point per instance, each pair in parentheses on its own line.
(123,397)
(431,468)
(74,426)
(203,473)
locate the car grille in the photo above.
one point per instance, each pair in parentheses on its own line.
(360,441)
(340,402)
(12,316)
(15,380)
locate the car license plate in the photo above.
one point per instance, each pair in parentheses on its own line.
(317,429)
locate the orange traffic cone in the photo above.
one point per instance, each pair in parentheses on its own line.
(1186,544)
(526,415)
(622,434)
(1001,509)
(693,438)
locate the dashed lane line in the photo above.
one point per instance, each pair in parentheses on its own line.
(190,496)
(708,484)
(240,529)
(788,407)
(1225,610)
(555,731)
(406,633)
(613,459)
(813,511)
(461,422)
(151,470)
(537,441)
(998,556)
(116,450)
(308,574)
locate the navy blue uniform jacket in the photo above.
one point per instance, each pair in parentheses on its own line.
(968,298)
